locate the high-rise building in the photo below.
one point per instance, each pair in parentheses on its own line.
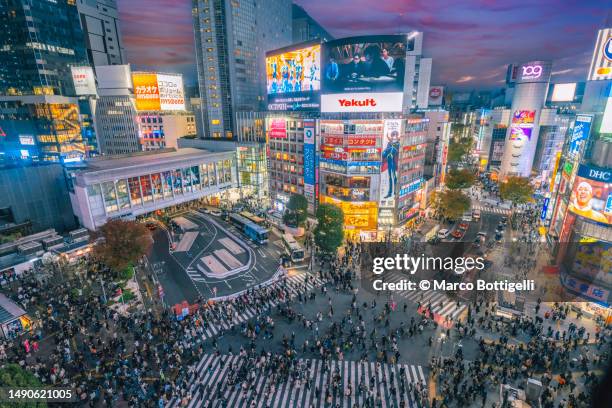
(40,41)
(116,125)
(527,102)
(231,39)
(100,23)
(306,28)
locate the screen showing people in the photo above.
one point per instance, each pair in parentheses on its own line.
(365,64)
(294,71)
(592,199)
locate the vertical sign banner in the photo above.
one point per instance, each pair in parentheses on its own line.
(582,128)
(544,208)
(146,91)
(436,95)
(601,63)
(389,162)
(171,94)
(309,159)
(84,81)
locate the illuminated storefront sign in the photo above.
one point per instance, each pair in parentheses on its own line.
(158,91)
(278,128)
(357,215)
(410,187)
(371,102)
(309,155)
(362,140)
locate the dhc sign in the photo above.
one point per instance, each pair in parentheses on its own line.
(595,173)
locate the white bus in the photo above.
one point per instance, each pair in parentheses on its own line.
(293,248)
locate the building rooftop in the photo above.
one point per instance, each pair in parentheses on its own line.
(150,158)
(9,310)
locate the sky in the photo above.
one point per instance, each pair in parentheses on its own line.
(471,41)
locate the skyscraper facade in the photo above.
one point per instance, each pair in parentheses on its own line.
(100,23)
(231,39)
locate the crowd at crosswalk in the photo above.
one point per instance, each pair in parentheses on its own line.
(262,380)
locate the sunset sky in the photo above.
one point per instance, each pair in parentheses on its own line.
(471,41)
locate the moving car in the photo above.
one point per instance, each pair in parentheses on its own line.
(443,233)
(458,233)
(467,217)
(216,213)
(464,226)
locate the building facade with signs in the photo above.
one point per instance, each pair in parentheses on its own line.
(138,184)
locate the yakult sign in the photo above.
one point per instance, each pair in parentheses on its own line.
(534,71)
(365,102)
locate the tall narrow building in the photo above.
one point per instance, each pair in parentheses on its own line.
(231,39)
(100,23)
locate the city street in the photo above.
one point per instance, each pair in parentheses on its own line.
(217,261)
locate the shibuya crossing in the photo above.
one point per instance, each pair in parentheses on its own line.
(281,204)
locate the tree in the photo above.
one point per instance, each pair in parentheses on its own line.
(518,190)
(451,204)
(329,232)
(458,149)
(297,211)
(458,179)
(120,244)
(13,376)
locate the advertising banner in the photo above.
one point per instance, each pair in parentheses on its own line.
(582,129)
(171,93)
(309,154)
(534,71)
(84,80)
(518,132)
(278,128)
(523,116)
(146,91)
(356,102)
(436,95)
(563,92)
(601,64)
(590,197)
(389,162)
(293,78)
(497,151)
(357,215)
(362,140)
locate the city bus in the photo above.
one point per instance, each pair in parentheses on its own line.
(255,232)
(293,248)
(253,218)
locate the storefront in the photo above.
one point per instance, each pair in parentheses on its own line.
(13,319)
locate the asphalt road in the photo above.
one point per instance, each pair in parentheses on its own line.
(182,274)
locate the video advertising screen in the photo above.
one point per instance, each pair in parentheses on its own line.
(592,195)
(293,78)
(365,64)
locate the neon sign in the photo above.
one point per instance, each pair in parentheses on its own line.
(532,71)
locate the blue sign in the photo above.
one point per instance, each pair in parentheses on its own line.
(582,128)
(309,164)
(607,49)
(544,208)
(412,187)
(595,173)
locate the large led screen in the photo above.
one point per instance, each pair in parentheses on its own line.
(365,64)
(293,78)
(592,194)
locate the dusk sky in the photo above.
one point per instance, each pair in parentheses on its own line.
(471,41)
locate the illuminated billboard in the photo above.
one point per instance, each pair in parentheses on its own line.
(523,116)
(389,162)
(534,71)
(155,92)
(362,215)
(563,92)
(582,128)
(601,63)
(277,128)
(373,65)
(84,81)
(592,194)
(293,78)
(521,132)
(436,95)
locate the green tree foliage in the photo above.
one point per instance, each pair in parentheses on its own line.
(13,376)
(451,204)
(122,243)
(518,190)
(458,179)
(329,232)
(297,211)
(459,149)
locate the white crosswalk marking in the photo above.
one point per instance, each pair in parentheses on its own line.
(494,210)
(215,383)
(295,284)
(439,302)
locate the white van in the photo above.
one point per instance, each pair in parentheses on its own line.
(443,233)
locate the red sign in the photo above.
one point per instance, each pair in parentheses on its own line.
(362,141)
(278,129)
(332,140)
(335,155)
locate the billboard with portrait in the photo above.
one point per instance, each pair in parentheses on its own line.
(365,64)
(436,95)
(293,78)
(592,194)
(389,162)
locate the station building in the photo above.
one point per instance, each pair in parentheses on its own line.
(138,184)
